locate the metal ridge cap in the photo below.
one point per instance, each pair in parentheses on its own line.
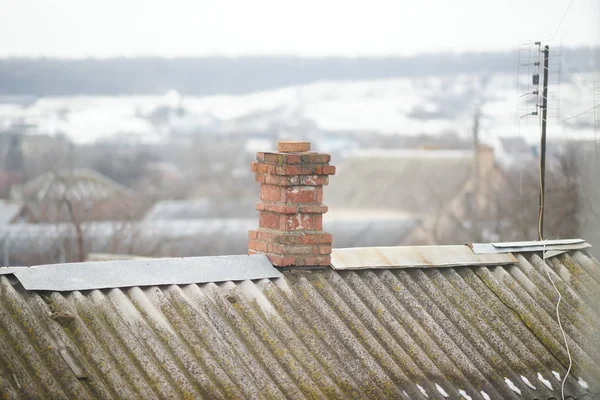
(414,257)
(146,272)
(530,246)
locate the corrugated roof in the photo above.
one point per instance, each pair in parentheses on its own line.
(457,331)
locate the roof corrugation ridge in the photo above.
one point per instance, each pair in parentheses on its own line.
(184,338)
(81,333)
(393,294)
(132,316)
(300,328)
(347,307)
(589,263)
(536,273)
(392,335)
(459,322)
(544,327)
(572,321)
(250,341)
(454,345)
(110,343)
(182,365)
(44,308)
(198,338)
(220,330)
(534,358)
(325,338)
(419,368)
(546,314)
(382,382)
(514,323)
(298,367)
(28,339)
(139,357)
(16,374)
(351,311)
(579,279)
(311,364)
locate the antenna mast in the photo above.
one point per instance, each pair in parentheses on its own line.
(544,107)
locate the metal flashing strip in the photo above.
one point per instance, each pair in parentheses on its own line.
(413,257)
(522,247)
(151,272)
(10,270)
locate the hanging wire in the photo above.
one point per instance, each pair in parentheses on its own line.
(562,331)
(581,113)
(564,15)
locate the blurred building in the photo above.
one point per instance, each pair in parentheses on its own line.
(441,188)
(74,195)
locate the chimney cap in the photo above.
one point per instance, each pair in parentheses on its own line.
(293,147)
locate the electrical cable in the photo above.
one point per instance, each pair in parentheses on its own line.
(564,15)
(581,113)
(559,322)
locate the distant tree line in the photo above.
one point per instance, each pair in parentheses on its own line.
(238,75)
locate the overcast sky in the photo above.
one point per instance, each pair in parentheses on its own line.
(105,28)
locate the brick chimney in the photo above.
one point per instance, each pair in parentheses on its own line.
(290,229)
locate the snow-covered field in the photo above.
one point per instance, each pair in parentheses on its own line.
(393,106)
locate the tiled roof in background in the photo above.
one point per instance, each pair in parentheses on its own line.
(471,331)
(76,185)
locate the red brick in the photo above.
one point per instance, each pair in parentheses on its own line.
(253,234)
(281,261)
(310,261)
(324,249)
(319,194)
(315,158)
(300,194)
(272,158)
(277,180)
(313,180)
(328,170)
(318,222)
(269,220)
(287,170)
(293,146)
(279,208)
(279,158)
(276,248)
(257,246)
(292,237)
(309,222)
(299,250)
(263,168)
(270,192)
(314,238)
(315,208)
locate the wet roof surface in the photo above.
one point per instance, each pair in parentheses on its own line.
(463,331)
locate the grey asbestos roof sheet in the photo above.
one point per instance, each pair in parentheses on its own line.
(164,271)
(469,331)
